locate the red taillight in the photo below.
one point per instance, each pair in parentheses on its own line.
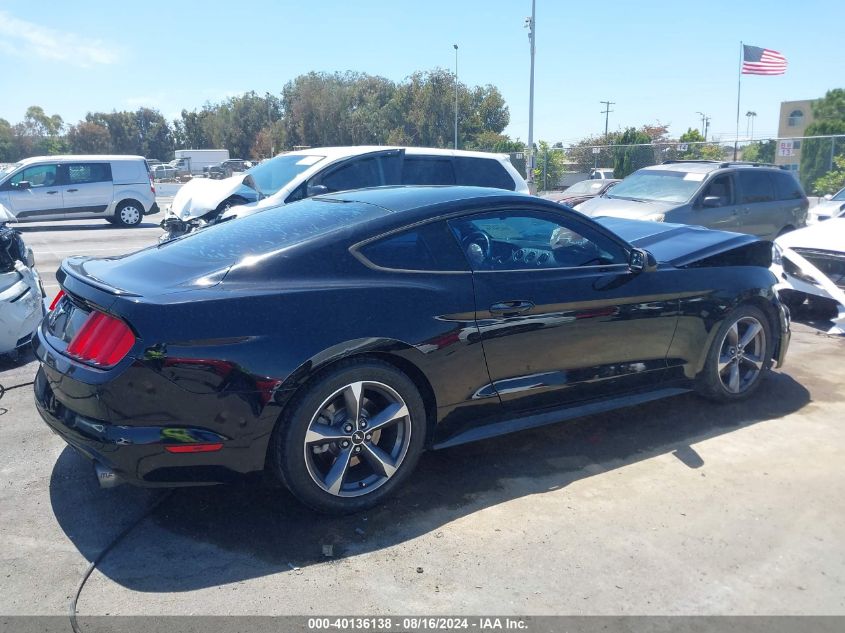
(56,300)
(102,341)
(194,448)
(152,183)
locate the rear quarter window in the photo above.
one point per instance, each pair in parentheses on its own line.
(482,172)
(425,248)
(786,186)
(756,186)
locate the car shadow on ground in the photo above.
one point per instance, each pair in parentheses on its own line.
(203,537)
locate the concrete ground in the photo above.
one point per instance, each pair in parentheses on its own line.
(674,507)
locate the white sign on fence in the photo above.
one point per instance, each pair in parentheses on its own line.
(785,148)
(596,150)
(682,147)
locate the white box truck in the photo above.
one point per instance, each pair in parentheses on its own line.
(197,161)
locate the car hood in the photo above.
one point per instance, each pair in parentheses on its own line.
(828,208)
(678,244)
(620,208)
(200,195)
(827,236)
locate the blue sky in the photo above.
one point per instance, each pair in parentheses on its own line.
(659,61)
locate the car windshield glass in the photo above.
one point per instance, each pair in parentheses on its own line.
(271,176)
(586,186)
(840,195)
(659,185)
(268,232)
(5,169)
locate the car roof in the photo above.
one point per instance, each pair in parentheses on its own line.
(75,158)
(401,198)
(357,150)
(706,166)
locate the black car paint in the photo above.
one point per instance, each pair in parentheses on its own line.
(221,358)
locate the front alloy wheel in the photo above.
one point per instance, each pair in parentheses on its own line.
(358,439)
(742,354)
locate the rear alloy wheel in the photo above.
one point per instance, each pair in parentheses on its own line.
(351,438)
(739,356)
(128,214)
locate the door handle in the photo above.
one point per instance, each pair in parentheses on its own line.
(51,192)
(511,308)
(72,190)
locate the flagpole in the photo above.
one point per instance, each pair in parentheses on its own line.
(738,92)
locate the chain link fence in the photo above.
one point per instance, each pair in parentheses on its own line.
(556,168)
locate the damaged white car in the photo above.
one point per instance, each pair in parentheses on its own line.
(831,206)
(21,291)
(810,266)
(304,173)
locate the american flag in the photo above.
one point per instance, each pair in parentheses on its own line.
(762,61)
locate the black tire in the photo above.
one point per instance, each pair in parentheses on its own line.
(128,214)
(309,466)
(733,371)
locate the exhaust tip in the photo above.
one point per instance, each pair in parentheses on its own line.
(106,476)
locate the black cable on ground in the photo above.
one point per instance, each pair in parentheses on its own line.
(3,389)
(72,606)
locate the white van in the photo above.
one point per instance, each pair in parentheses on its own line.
(118,189)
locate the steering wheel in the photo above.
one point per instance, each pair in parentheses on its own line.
(478,247)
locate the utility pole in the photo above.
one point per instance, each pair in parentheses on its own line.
(456,95)
(750,123)
(705,124)
(606,112)
(530,24)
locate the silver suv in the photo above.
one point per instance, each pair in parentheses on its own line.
(118,189)
(753,198)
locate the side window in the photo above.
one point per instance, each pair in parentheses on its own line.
(356,174)
(81,173)
(482,172)
(36,176)
(787,186)
(526,240)
(722,188)
(427,171)
(756,186)
(427,247)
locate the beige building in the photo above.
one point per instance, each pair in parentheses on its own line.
(795,116)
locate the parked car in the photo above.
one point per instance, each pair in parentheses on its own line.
(581,191)
(828,207)
(745,197)
(332,340)
(164,172)
(118,189)
(810,265)
(301,174)
(152,162)
(228,168)
(21,291)
(601,173)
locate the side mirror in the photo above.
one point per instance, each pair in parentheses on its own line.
(828,196)
(641,261)
(711,202)
(23,184)
(316,190)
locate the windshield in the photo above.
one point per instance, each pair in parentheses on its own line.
(271,176)
(840,195)
(659,185)
(8,168)
(591,187)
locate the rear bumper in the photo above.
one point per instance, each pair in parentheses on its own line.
(785,334)
(136,454)
(153,209)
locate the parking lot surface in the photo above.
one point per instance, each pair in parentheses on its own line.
(673,507)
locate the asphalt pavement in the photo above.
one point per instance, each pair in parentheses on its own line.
(672,507)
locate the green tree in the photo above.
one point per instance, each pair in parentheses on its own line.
(638,154)
(7,142)
(89,138)
(759,152)
(550,165)
(817,155)
(832,181)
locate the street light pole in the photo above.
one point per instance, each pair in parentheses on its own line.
(456,95)
(530,23)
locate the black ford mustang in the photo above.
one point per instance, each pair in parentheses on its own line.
(331,341)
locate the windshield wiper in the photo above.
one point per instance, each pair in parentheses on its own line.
(626,198)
